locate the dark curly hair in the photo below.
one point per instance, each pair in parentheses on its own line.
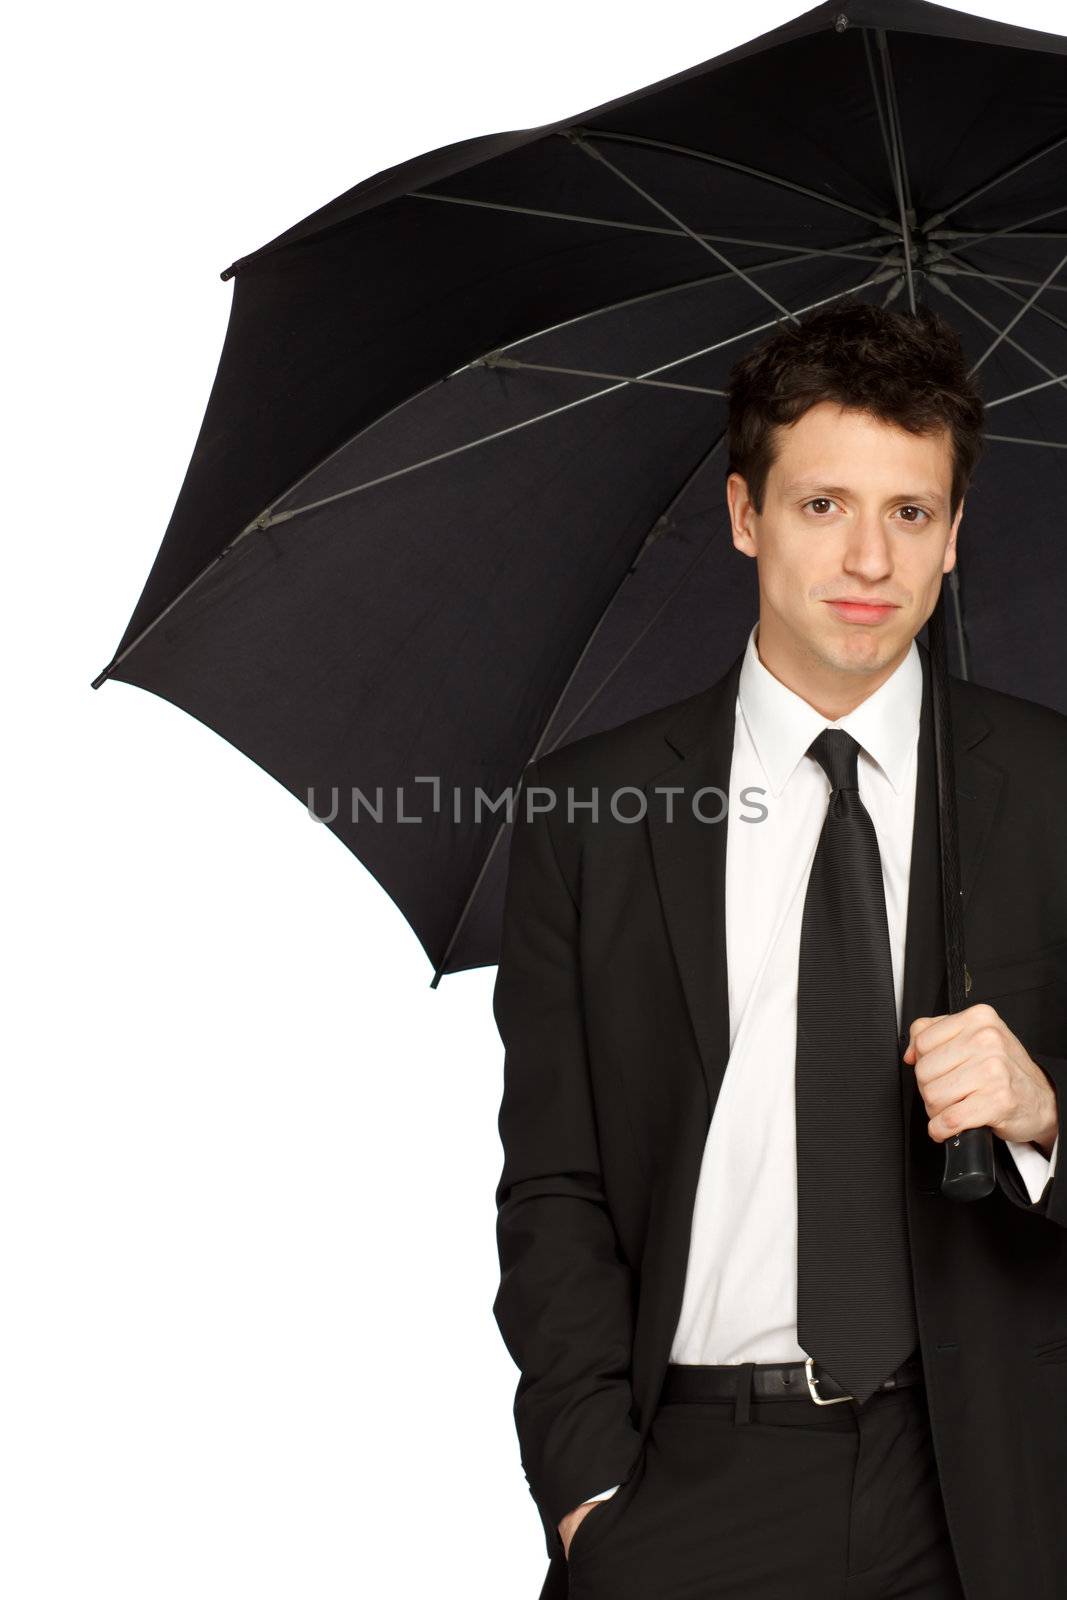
(902,368)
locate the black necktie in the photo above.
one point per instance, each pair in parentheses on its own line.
(855,1300)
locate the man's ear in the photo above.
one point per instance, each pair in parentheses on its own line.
(950,548)
(740,508)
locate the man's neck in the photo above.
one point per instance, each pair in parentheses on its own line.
(830,691)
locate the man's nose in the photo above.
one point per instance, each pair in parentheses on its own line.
(869,551)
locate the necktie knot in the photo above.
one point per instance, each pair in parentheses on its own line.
(837,753)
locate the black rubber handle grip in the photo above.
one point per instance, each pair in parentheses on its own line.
(968,1165)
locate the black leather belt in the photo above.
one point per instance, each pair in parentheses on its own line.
(790,1380)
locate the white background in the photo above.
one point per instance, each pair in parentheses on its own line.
(246,1340)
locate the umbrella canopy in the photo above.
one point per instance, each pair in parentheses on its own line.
(458,495)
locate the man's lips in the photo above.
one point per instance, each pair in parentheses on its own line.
(860,610)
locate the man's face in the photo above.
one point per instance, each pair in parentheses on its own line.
(855,510)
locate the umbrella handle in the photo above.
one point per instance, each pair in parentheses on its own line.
(969,1171)
(968,1165)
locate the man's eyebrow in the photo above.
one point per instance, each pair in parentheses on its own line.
(814,486)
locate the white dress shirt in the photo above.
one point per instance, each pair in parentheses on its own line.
(740,1297)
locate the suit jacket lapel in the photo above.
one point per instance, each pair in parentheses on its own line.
(690,862)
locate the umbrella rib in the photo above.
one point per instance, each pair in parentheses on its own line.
(886,142)
(538,333)
(598,155)
(949,261)
(637,299)
(583,316)
(493,361)
(1020,313)
(980,316)
(1017,394)
(799,250)
(1009,172)
(1010,231)
(957,262)
(657,527)
(969,236)
(1011,438)
(268,519)
(896,126)
(734,166)
(896,153)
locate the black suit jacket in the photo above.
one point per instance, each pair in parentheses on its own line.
(611,1000)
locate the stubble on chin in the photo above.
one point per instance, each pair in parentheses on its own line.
(858,652)
(860,656)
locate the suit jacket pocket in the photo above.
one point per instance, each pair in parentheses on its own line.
(1056,1350)
(1028,994)
(1030,971)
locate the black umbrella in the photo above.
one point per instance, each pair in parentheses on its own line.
(458,495)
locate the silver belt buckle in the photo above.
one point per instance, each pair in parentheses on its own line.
(821,1400)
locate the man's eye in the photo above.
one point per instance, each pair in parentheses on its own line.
(922,512)
(821,500)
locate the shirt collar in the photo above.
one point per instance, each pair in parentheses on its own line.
(782,724)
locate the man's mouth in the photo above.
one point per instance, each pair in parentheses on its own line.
(861,610)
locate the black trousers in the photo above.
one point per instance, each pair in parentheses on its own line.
(774,1499)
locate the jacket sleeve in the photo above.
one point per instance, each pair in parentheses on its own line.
(565,1305)
(1052,1202)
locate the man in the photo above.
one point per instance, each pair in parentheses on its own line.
(729,1278)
